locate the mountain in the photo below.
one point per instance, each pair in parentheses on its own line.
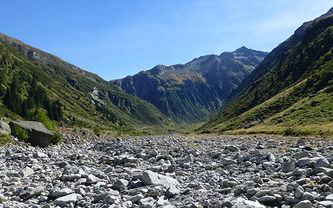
(288,88)
(189,92)
(36,79)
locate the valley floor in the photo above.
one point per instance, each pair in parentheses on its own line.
(169,171)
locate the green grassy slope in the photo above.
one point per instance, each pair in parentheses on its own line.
(73,87)
(300,70)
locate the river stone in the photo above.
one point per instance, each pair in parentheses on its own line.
(62,201)
(232,148)
(226,161)
(136,198)
(162,201)
(147,202)
(329,197)
(151,178)
(2,198)
(120,184)
(111,200)
(40,154)
(288,166)
(326,203)
(25,172)
(320,162)
(254,204)
(305,162)
(91,179)
(303,204)
(62,192)
(38,134)
(267,199)
(299,192)
(308,196)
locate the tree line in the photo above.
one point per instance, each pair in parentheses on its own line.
(24,96)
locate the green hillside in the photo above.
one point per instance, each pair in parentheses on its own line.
(32,79)
(277,92)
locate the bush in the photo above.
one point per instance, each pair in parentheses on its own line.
(206,131)
(20,133)
(290,132)
(42,117)
(57,138)
(4,139)
(98,131)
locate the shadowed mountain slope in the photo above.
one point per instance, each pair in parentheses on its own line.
(189,92)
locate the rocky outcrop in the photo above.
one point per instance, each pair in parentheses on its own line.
(189,92)
(5,128)
(38,134)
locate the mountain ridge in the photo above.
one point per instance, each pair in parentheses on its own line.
(201,84)
(86,98)
(300,65)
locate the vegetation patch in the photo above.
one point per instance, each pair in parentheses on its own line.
(4,139)
(20,133)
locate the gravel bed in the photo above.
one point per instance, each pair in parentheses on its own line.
(169,171)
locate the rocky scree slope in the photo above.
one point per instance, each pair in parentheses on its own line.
(189,92)
(300,65)
(169,171)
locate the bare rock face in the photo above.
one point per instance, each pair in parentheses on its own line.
(39,135)
(4,127)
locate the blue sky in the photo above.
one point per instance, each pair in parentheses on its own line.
(115,38)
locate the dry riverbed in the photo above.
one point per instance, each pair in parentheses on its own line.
(169,171)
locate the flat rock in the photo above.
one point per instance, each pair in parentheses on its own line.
(303,204)
(325,203)
(151,178)
(62,192)
(254,204)
(136,198)
(62,201)
(267,199)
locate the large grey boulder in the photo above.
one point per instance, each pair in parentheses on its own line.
(38,134)
(151,178)
(5,128)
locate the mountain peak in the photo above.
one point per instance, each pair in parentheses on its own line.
(242,49)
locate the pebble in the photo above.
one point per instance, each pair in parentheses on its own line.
(168,171)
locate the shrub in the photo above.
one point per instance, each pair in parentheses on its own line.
(4,139)
(42,117)
(20,133)
(290,132)
(56,138)
(206,131)
(98,130)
